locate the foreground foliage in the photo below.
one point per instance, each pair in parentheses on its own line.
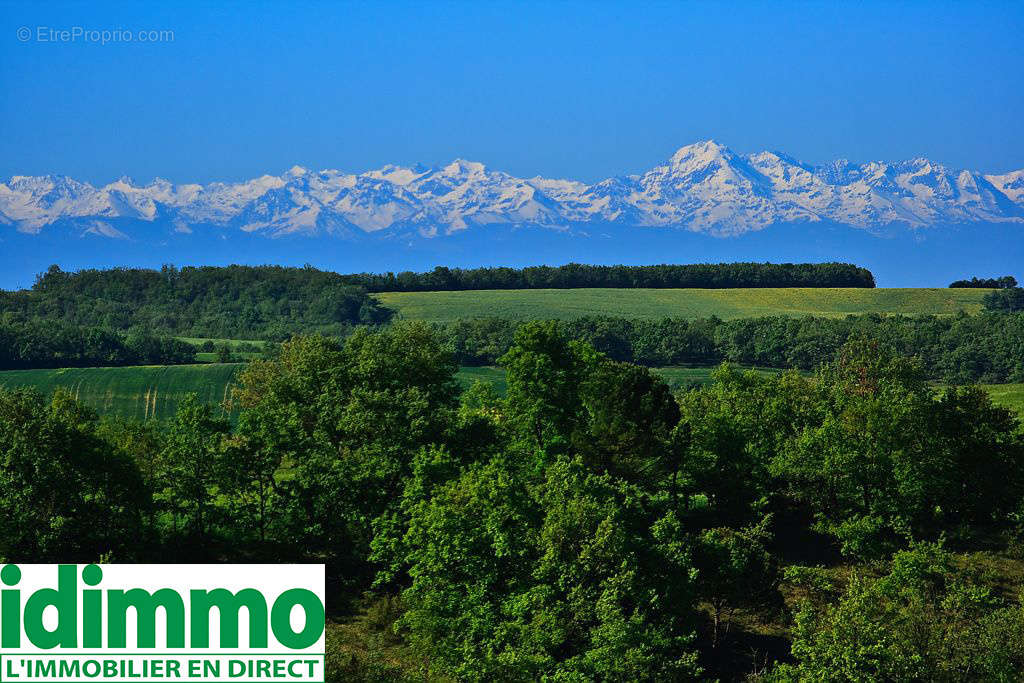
(927,618)
(587,525)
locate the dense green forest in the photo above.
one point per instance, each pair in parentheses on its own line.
(851,525)
(963,348)
(236,302)
(56,344)
(578,275)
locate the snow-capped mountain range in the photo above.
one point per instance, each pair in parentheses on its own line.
(703,187)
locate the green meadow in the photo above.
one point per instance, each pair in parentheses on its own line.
(526,304)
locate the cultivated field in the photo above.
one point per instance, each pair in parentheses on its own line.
(526,304)
(150,391)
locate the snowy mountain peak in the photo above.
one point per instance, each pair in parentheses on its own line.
(705,152)
(398,175)
(704,187)
(463,167)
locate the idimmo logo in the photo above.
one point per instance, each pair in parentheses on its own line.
(161,622)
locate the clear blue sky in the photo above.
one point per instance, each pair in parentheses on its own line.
(583,90)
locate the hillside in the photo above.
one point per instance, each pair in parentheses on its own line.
(689,303)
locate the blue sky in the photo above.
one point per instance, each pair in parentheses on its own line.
(569,89)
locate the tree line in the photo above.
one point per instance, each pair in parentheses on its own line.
(234,302)
(588,525)
(1005,282)
(55,344)
(963,348)
(988,347)
(578,275)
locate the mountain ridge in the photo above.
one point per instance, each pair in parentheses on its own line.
(704,187)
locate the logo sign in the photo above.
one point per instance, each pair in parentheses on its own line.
(161,622)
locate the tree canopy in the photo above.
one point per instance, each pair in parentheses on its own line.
(587,525)
(233,302)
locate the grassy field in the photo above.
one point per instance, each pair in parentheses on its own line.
(1007,395)
(490,374)
(525,304)
(151,391)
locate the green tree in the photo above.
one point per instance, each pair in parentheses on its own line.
(224,354)
(566,577)
(340,425)
(65,494)
(734,428)
(190,464)
(927,619)
(141,444)
(544,376)
(629,415)
(887,462)
(861,469)
(251,465)
(1009,300)
(735,570)
(555,556)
